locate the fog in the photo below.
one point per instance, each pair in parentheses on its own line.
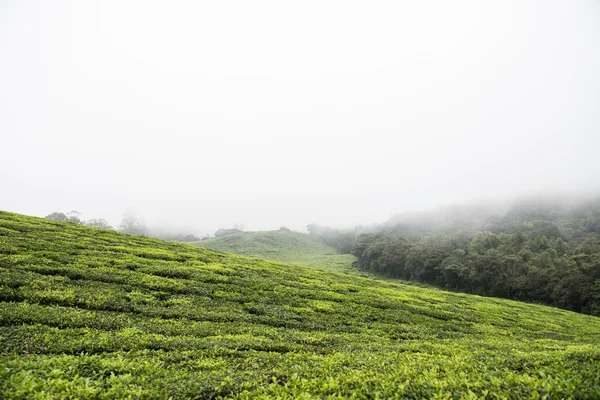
(203,115)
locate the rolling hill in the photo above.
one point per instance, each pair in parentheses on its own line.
(92,313)
(287,247)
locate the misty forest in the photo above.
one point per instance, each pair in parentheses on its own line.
(314,200)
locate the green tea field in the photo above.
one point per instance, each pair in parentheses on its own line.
(92,313)
(287,247)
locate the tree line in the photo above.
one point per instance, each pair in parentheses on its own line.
(75,217)
(130,224)
(536,251)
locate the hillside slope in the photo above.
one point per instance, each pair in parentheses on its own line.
(287,247)
(91,313)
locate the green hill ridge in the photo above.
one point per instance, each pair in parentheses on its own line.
(92,313)
(287,247)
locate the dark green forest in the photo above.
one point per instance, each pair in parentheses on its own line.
(536,250)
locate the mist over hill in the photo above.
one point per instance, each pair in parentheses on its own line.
(90,312)
(419,153)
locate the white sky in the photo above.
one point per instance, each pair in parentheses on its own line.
(207,114)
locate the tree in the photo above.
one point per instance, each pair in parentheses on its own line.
(132,224)
(190,238)
(71,216)
(57,216)
(363,241)
(98,223)
(344,243)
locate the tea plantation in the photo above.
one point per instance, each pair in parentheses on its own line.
(287,247)
(91,313)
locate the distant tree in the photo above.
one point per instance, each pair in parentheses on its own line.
(98,223)
(132,224)
(363,241)
(592,225)
(385,255)
(344,243)
(595,301)
(57,216)
(590,245)
(71,216)
(190,238)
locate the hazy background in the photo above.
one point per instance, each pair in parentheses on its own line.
(207,114)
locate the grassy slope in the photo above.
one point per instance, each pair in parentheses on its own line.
(287,247)
(94,313)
